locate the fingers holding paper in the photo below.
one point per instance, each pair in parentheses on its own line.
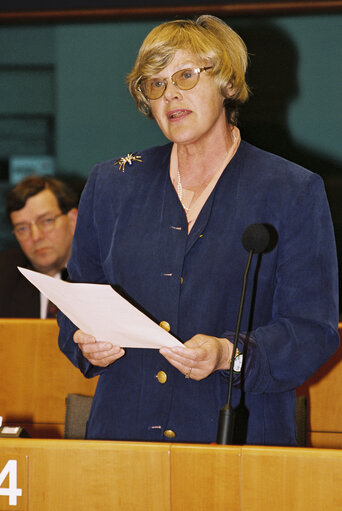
(200,356)
(98,353)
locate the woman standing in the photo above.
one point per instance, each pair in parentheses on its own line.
(165,226)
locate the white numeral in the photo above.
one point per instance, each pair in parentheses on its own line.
(12,491)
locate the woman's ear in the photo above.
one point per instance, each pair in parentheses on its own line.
(230,90)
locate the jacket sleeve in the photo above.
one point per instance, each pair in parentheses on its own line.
(302,334)
(84,266)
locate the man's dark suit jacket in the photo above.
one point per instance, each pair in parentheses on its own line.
(18,297)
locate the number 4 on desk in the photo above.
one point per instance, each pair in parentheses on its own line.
(12,492)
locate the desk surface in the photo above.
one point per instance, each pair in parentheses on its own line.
(66,475)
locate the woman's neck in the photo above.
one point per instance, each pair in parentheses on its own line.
(197,163)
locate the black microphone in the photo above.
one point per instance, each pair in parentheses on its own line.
(255,239)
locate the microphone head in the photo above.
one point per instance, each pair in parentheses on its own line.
(256,237)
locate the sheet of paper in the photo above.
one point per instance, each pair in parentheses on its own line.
(100,311)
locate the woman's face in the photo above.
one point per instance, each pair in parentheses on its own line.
(189,116)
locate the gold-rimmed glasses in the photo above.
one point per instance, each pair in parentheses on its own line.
(185,79)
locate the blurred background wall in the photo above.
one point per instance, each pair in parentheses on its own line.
(63,95)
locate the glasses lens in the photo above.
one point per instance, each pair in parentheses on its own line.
(153,88)
(186,79)
(47,224)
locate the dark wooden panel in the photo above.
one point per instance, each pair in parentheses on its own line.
(13,11)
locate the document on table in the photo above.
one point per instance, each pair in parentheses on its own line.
(102,312)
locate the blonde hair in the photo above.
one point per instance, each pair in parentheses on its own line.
(209,39)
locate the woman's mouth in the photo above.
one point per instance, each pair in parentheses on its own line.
(178,114)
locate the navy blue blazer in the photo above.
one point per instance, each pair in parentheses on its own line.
(132,233)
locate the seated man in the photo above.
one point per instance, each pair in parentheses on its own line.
(43,213)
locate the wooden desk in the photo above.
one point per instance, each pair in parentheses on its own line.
(66,475)
(255,478)
(323,392)
(35,377)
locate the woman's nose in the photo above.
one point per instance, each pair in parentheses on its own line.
(172,91)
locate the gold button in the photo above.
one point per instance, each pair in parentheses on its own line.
(169,433)
(165,325)
(182,280)
(161,377)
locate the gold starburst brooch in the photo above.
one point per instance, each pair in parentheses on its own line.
(130,158)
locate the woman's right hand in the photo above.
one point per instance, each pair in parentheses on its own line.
(98,353)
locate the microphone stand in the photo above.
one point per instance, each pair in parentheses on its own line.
(227,413)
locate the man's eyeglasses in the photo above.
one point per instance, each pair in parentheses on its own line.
(185,79)
(44,224)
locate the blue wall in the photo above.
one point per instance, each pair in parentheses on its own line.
(295,75)
(300,59)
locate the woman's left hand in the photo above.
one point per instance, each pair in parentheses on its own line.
(200,356)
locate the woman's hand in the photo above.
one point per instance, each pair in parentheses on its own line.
(200,356)
(98,353)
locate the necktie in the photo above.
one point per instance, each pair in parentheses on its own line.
(52,309)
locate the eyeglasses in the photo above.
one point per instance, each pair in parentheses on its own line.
(45,224)
(185,79)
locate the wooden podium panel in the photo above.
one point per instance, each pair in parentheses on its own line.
(205,477)
(87,475)
(255,478)
(67,475)
(291,479)
(251,478)
(323,392)
(35,377)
